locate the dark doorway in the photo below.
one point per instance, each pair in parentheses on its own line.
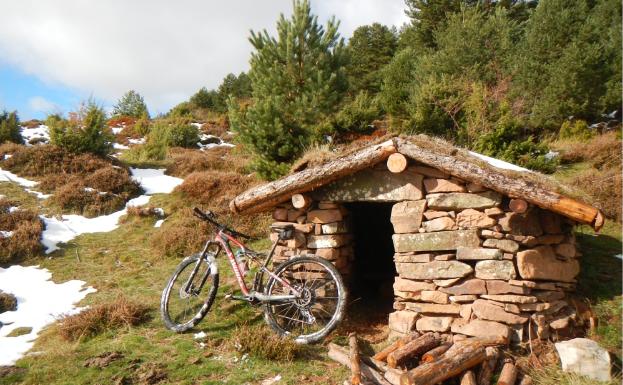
(371,290)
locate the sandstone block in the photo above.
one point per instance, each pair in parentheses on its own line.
(326,241)
(463,298)
(487,311)
(470,286)
(584,357)
(494,212)
(512,308)
(490,234)
(506,245)
(330,254)
(503,287)
(475,188)
(408,295)
(495,270)
(521,224)
(433,270)
(303,228)
(402,321)
(433,308)
(541,263)
(324,216)
(413,257)
(511,298)
(438,224)
(516,282)
(481,329)
(435,214)
(474,219)
(446,282)
(434,324)
(550,239)
(468,253)
(461,201)
(466,311)
(566,250)
(406,216)
(438,241)
(547,295)
(334,228)
(438,185)
(413,286)
(444,257)
(434,296)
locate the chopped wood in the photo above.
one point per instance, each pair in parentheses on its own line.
(355,368)
(416,347)
(435,353)
(393,375)
(396,163)
(301,201)
(519,206)
(382,355)
(468,378)
(500,182)
(265,196)
(599,221)
(508,374)
(463,356)
(488,366)
(526,380)
(340,355)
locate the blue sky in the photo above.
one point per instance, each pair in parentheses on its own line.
(66,51)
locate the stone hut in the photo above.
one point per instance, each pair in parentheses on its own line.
(447,240)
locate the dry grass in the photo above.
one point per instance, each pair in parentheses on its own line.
(33,123)
(26,228)
(134,212)
(40,161)
(180,235)
(553,375)
(8,302)
(259,341)
(77,198)
(111,315)
(186,161)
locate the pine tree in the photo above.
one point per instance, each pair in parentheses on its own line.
(130,104)
(86,132)
(9,128)
(298,79)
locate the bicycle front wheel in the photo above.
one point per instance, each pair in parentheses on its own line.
(189,294)
(320,306)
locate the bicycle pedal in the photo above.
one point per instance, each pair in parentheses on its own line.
(241,298)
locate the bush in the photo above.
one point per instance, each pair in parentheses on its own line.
(577,129)
(357,115)
(25,228)
(187,161)
(8,302)
(77,198)
(131,104)
(113,180)
(100,318)
(261,342)
(182,134)
(9,128)
(86,133)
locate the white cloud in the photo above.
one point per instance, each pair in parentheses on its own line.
(41,104)
(165,50)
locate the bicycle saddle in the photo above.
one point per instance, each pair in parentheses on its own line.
(286,231)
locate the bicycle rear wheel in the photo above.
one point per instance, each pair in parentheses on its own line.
(189,294)
(320,307)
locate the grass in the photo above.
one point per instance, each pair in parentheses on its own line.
(553,375)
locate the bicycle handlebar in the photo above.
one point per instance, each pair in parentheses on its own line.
(210,216)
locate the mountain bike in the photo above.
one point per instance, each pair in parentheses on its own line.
(303,297)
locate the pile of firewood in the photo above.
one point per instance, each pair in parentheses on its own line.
(428,359)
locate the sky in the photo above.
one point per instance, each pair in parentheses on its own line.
(55,54)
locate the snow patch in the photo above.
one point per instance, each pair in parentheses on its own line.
(39,303)
(119,146)
(153,181)
(499,163)
(6,234)
(7,176)
(117,130)
(137,141)
(42,132)
(159,223)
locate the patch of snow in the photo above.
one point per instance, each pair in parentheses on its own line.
(620,256)
(13,209)
(39,303)
(499,163)
(210,146)
(119,146)
(270,381)
(159,223)
(200,335)
(42,131)
(39,194)
(6,234)
(159,211)
(552,155)
(198,125)
(7,176)
(153,181)
(137,141)
(7,156)
(116,130)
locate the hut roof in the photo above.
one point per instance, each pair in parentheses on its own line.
(497,175)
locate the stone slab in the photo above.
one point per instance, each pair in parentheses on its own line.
(461,201)
(438,241)
(541,263)
(495,270)
(433,270)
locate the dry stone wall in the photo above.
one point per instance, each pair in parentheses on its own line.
(469,266)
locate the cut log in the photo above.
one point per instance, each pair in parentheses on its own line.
(488,366)
(463,356)
(393,375)
(508,374)
(340,355)
(301,201)
(355,368)
(414,348)
(472,170)
(396,163)
(526,380)
(435,353)
(265,196)
(468,378)
(519,206)
(382,355)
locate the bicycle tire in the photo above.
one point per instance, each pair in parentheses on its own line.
(168,319)
(289,268)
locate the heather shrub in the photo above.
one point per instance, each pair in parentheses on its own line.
(86,132)
(9,128)
(261,342)
(78,198)
(23,228)
(186,161)
(113,180)
(8,302)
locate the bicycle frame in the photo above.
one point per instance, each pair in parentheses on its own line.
(222,239)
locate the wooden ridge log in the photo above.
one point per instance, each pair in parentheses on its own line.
(382,355)
(355,368)
(518,206)
(265,196)
(468,378)
(500,182)
(488,366)
(301,201)
(416,347)
(508,374)
(435,353)
(463,356)
(340,355)
(397,163)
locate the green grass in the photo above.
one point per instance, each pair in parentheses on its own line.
(122,262)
